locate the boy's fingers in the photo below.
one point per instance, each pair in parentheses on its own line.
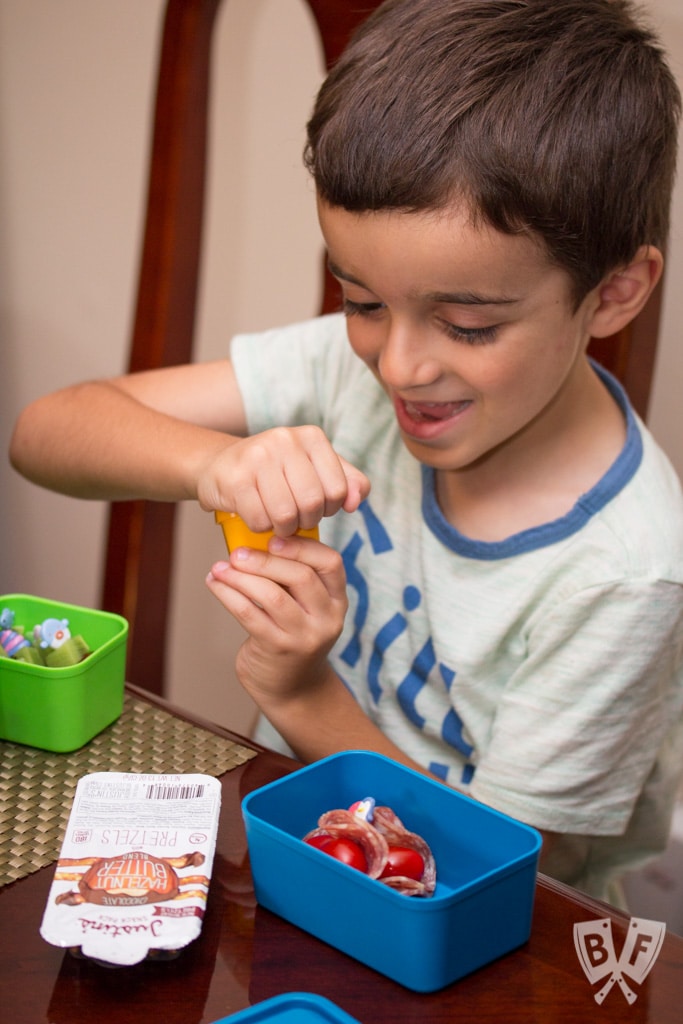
(297,564)
(293,499)
(285,480)
(299,499)
(336,476)
(323,560)
(357,487)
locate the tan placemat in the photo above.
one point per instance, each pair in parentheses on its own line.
(37,787)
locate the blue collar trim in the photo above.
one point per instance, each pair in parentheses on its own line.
(615,479)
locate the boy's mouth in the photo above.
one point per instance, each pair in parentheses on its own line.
(426,421)
(425,412)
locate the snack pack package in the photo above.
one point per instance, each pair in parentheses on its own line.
(135,865)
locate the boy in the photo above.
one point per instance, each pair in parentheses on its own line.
(505,609)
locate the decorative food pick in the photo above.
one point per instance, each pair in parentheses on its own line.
(6,618)
(52,632)
(238,535)
(12,642)
(49,643)
(375,841)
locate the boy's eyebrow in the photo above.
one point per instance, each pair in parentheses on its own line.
(454,298)
(470,299)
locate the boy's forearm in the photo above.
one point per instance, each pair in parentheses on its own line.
(326,719)
(96,441)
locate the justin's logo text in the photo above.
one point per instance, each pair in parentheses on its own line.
(595,950)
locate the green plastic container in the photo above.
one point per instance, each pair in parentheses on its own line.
(61,709)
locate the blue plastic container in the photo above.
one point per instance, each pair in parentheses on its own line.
(291,1008)
(486,868)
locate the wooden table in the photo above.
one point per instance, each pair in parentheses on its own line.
(246,954)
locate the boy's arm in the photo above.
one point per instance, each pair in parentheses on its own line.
(177,434)
(137,436)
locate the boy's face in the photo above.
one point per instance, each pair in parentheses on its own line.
(469,331)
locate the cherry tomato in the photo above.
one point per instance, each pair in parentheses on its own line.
(347,852)
(320,842)
(403,861)
(344,850)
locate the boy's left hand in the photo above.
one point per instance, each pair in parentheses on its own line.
(291,601)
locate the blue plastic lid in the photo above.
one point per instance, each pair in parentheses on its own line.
(292,1008)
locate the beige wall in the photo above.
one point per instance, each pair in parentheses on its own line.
(76,81)
(75,94)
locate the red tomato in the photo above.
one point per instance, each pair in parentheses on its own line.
(405,862)
(344,850)
(320,842)
(347,852)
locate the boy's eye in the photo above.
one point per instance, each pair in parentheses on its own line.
(471,335)
(351,308)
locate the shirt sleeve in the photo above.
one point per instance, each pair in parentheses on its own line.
(580,724)
(291,375)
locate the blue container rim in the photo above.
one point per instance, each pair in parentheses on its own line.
(270,1009)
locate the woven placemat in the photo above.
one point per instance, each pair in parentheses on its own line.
(37,787)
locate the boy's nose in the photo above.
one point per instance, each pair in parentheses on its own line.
(406,360)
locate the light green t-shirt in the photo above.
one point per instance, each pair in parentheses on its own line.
(542,674)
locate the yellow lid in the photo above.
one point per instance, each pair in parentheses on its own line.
(238,535)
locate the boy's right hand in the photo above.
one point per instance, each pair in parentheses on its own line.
(284,479)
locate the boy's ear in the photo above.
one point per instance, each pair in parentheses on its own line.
(623,293)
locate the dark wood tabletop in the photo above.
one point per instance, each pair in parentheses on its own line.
(245,954)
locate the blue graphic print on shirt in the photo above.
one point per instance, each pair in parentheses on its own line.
(424,662)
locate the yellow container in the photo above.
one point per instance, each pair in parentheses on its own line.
(238,535)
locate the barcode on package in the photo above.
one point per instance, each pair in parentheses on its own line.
(164,791)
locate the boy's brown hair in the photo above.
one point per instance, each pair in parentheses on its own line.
(553,117)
